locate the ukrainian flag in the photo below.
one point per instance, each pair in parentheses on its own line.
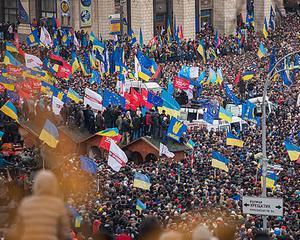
(110,132)
(212,76)
(11,48)
(73,95)
(49,134)
(190,144)
(219,161)
(141,181)
(83,68)
(225,115)
(201,50)
(293,150)
(10,59)
(261,51)
(145,74)
(232,140)
(75,64)
(46,88)
(5,83)
(247,75)
(140,206)
(97,44)
(265,28)
(219,76)
(271,180)
(10,110)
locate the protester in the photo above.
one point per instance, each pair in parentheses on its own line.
(190,192)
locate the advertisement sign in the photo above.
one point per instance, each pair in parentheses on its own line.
(85,13)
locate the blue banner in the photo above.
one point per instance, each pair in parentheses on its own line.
(176,129)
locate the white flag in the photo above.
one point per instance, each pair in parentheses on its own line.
(163,149)
(116,157)
(32,61)
(76,43)
(93,99)
(57,105)
(137,67)
(45,37)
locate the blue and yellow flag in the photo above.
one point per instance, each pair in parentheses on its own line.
(49,134)
(74,63)
(271,180)
(265,28)
(145,74)
(219,76)
(140,206)
(11,48)
(190,144)
(219,161)
(97,44)
(225,115)
(109,132)
(141,181)
(73,95)
(7,84)
(33,38)
(10,110)
(10,59)
(232,140)
(212,76)
(170,105)
(293,150)
(176,129)
(141,38)
(201,50)
(262,52)
(247,75)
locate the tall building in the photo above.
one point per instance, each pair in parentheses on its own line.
(103,16)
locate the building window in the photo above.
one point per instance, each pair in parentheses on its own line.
(163,10)
(10,11)
(206,17)
(48,8)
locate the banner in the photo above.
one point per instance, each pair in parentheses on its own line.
(93,99)
(57,105)
(116,157)
(14,70)
(176,129)
(181,83)
(85,13)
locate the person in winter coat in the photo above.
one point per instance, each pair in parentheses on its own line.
(42,215)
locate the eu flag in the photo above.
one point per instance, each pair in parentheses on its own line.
(154,99)
(110,98)
(88,165)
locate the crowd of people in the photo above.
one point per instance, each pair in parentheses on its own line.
(188,199)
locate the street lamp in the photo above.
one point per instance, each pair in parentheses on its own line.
(271,74)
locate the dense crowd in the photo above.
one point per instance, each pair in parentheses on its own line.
(190,192)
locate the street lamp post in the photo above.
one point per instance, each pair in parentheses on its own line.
(271,74)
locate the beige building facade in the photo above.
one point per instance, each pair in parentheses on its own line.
(150,16)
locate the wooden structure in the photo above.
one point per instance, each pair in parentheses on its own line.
(147,149)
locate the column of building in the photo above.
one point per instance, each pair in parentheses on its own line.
(142,17)
(184,11)
(225,13)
